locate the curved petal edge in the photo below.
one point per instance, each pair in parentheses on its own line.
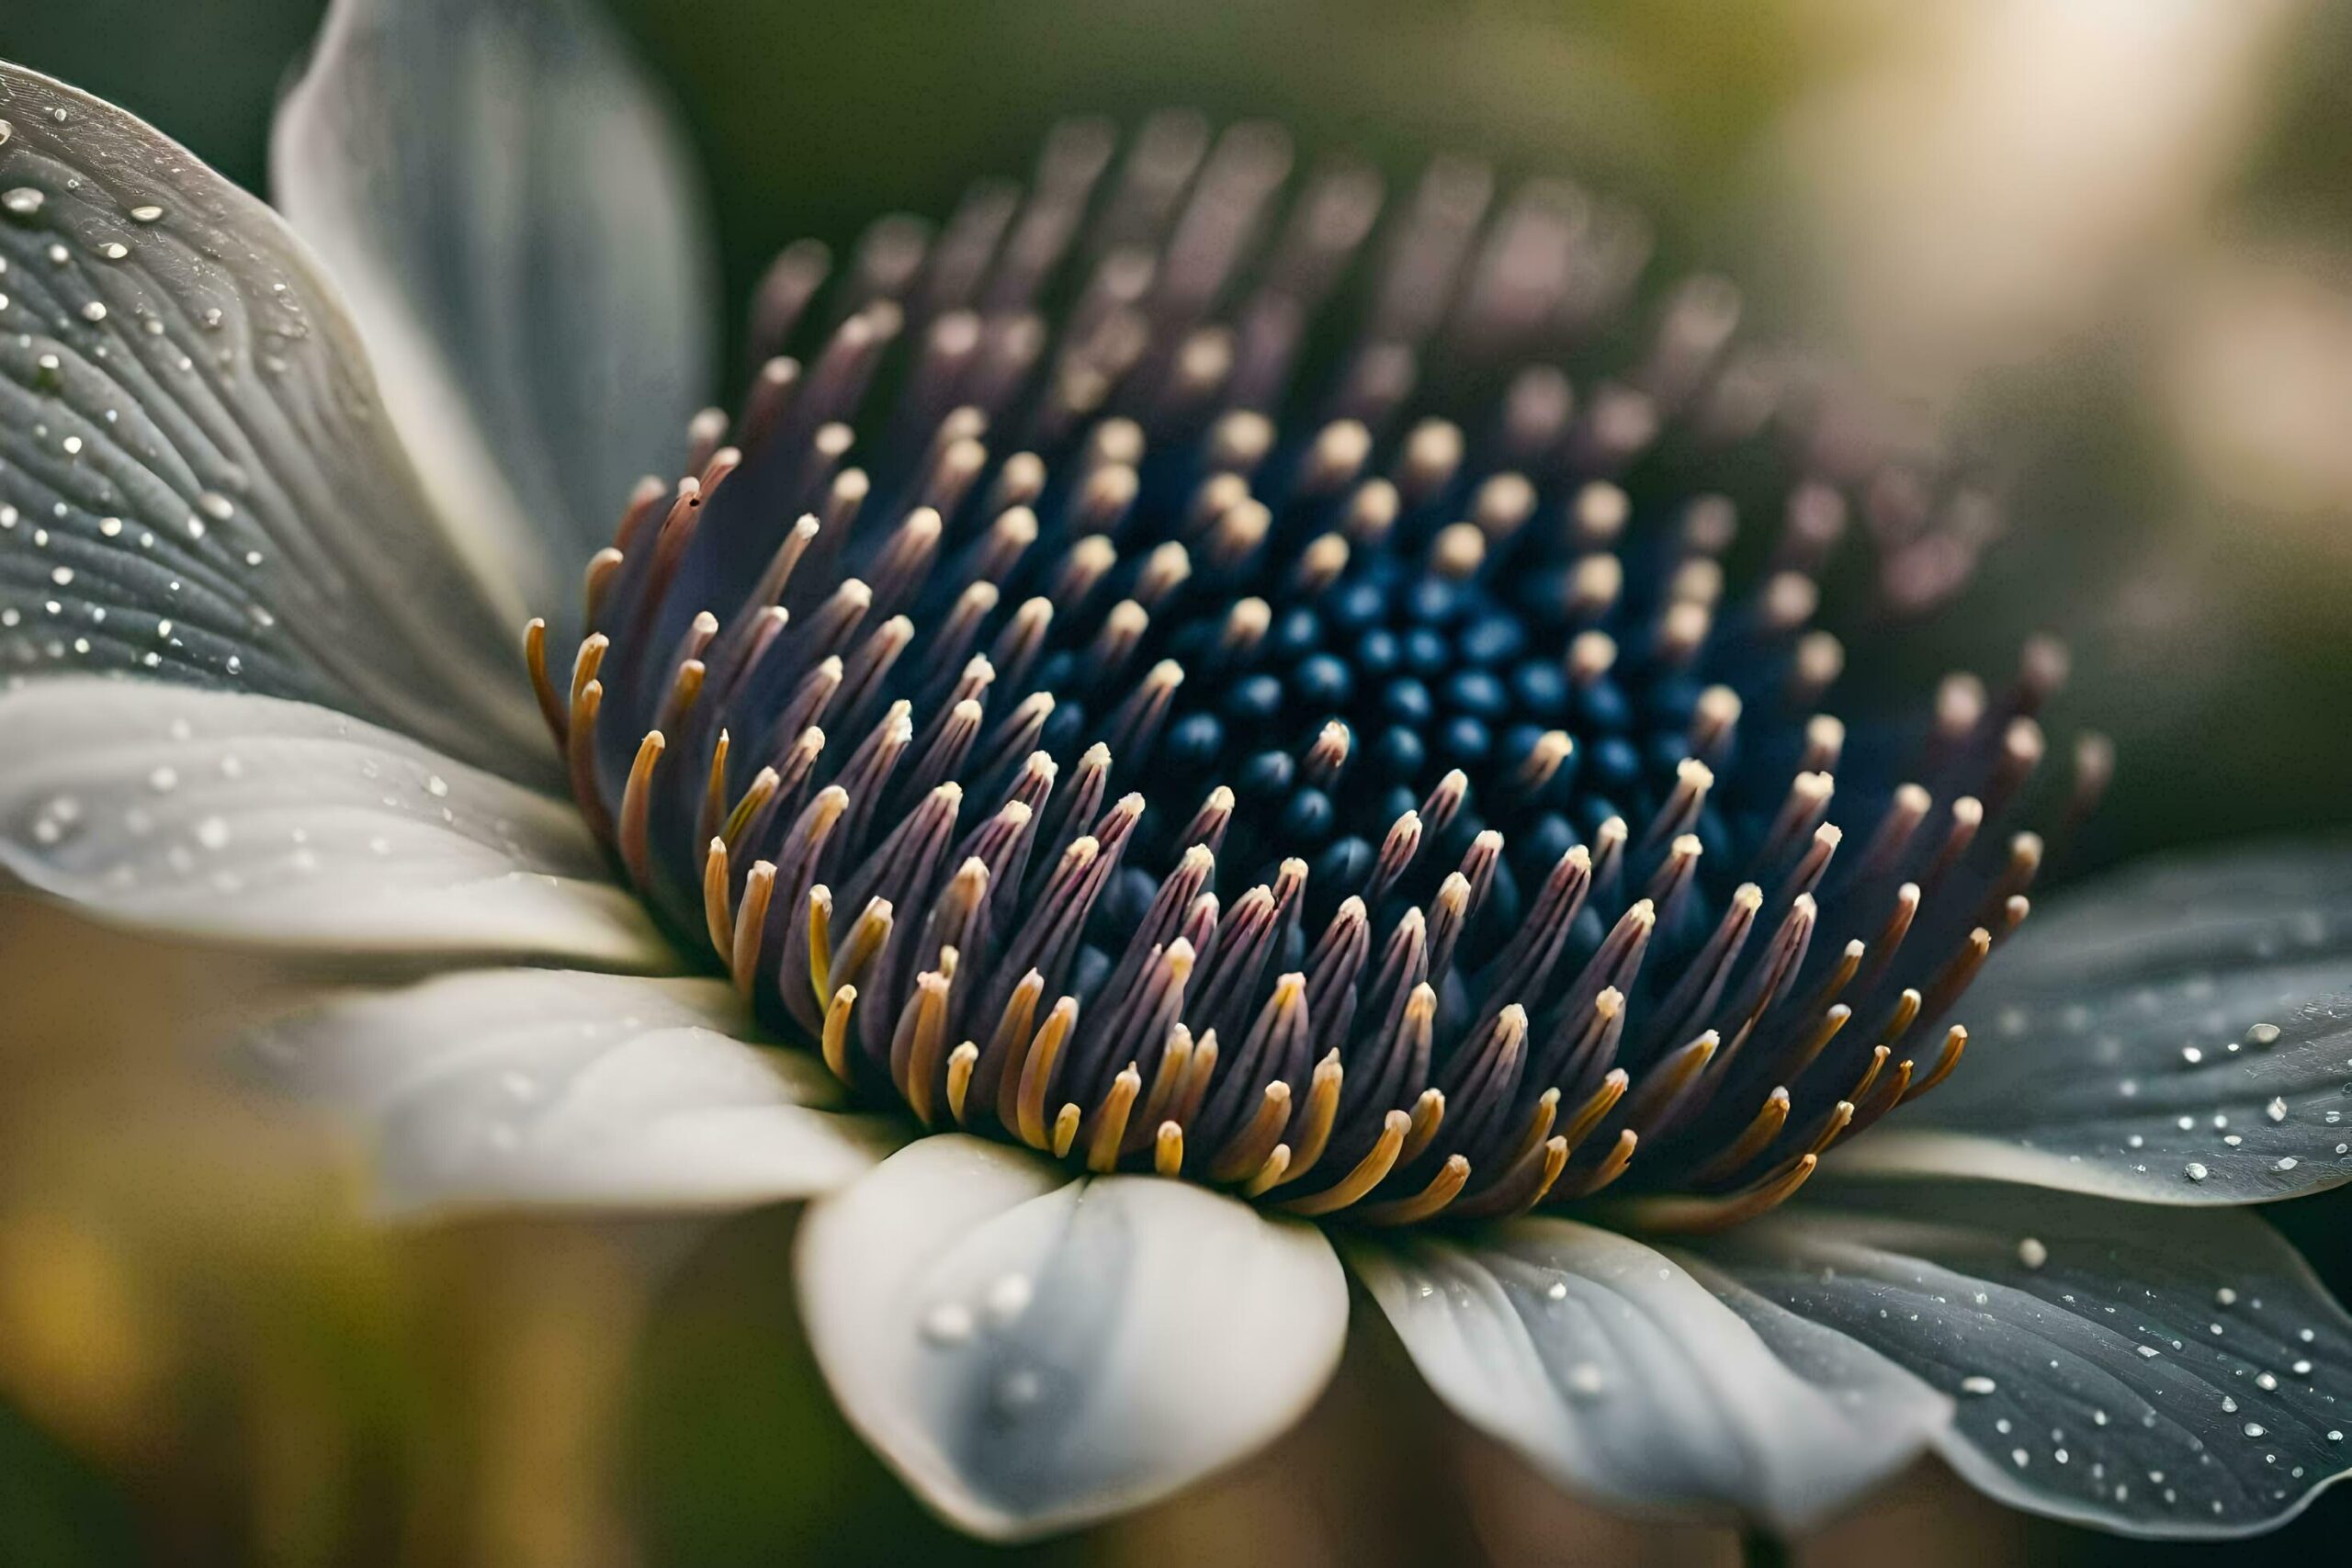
(1031,1353)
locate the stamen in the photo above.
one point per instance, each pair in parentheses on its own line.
(1168,1150)
(1613,1165)
(1037,1071)
(835,1040)
(960,1061)
(1429,1114)
(1701,1216)
(1111,1122)
(1428,1203)
(1369,1172)
(586,701)
(637,801)
(719,919)
(1769,1118)
(751,925)
(1248,1149)
(534,654)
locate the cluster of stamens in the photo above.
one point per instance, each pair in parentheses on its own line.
(1392,819)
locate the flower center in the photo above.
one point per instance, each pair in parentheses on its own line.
(1380,815)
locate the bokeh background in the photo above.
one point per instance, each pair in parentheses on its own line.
(2109,240)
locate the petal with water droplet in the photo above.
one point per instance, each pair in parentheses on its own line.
(1623,1376)
(516,224)
(1157,1331)
(197,480)
(2126,1370)
(2178,1033)
(539,1088)
(247,819)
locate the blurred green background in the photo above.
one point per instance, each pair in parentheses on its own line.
(2113,239)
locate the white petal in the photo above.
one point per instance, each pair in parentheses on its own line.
(1031,1352)
(242,819)
(513,220)
(197,480)
(2159,1371)
(2176,1033)
(1620,1376)
(542,1088)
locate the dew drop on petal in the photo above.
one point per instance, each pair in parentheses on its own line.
(949,1323)
(1018,1390)
(1009,1297)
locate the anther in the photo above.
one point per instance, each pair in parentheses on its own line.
(749,925)
(1613,1165)
(534,655)
(835,1041)
(960,1061)
(1947,1058)
(1428,1203)
(1168,1150)
(1111,1122)
(1700,1216)
(1369,1172)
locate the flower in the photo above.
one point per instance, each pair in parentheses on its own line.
(1197,849)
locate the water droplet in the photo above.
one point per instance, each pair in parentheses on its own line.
(2265,1382)
(437,786)
(164,780)
(1018,1390)
(22,202)
(2254,1428)
(1009,1297)
(2263,1034)
(2032,1253)
(949,1323)
(146,214)
(1977,1385)
(213,833)
(1586,1381)
(2195,1170)
(2226,1296)
(2286,1162)
(2275,1110)
(95,311)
